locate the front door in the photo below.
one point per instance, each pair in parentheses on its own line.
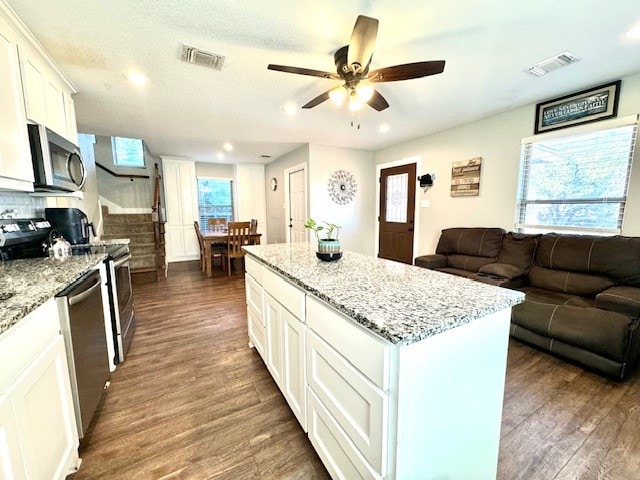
(297,206)
(397,208)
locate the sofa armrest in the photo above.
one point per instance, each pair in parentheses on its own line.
(620,299)
(431,261)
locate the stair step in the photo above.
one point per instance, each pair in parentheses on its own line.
(127,218)
(134,238)
(127,228)
(143,261)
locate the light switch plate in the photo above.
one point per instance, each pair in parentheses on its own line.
(425,203)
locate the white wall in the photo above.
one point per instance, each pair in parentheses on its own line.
(356,218)
(497,140)
(276,231)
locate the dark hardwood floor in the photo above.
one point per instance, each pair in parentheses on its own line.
(192,401)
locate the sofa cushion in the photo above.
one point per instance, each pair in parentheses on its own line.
(620,299)
(481,242)
(518,249)
(467,262)
(568,281)
(600,331)
(503,270)
(615,257)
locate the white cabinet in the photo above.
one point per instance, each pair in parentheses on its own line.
(179,177)
(379,410)
(16,171)
(275,349)
(38,437)
(343,362)
(278,334)
(70,117)
(11,456)
(249,199)
(45,100)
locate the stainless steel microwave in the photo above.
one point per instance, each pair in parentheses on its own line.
(57,164)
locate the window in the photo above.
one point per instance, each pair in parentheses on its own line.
(215,199)
(128,152)
(578,182)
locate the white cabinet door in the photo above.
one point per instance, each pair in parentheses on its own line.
(16,171)
(44,413)
(179,177)
(275,350)
(11,456)
(295,376)
(33,84)
(70,116)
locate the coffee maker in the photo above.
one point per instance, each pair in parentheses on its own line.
(71,223)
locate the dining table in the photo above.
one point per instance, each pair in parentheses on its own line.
(212,236)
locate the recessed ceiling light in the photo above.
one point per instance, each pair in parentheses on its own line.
(290,109)
(137,79)
(227,146)
(634,32)
(384,127)
(220,155)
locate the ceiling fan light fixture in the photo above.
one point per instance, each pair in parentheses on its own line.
(337,95)
(364,92)
(355,103)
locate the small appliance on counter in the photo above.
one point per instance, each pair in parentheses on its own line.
(71,223)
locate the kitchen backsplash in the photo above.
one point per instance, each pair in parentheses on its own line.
(23,204)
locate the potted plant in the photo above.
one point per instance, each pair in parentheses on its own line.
(328,242)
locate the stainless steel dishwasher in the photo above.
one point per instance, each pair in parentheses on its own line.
(83,327)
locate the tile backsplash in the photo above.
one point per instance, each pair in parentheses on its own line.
(23,204)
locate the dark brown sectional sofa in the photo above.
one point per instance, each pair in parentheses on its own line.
(582,292)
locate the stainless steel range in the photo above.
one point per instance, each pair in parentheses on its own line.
(29,238)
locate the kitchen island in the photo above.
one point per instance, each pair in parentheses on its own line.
(394,371)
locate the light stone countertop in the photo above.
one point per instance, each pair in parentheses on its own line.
(34,281)
(402,303)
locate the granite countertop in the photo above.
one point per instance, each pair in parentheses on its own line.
(34,281)
(402,303)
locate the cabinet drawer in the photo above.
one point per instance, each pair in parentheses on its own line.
(256,332)
(338,453)
(253,268)
(367,353)
(289,296)
(356,404)
(255,296)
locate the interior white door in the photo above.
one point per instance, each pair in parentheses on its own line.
(297,203)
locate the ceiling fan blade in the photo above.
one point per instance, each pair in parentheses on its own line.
(363,39)
(303,71)
(378,102)
(318,100)
(406,71)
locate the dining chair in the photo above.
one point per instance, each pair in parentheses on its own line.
(254,226)
(212,222)
(237,236)
(203,254)
(215,252)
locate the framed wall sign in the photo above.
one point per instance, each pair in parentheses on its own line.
(586,106)
(465,178)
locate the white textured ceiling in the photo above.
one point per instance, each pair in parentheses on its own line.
(189,111)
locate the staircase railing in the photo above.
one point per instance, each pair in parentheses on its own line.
(158,229)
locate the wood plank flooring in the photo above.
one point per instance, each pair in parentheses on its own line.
(192,401)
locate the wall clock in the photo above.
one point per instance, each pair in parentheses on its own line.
(342,187)
(274,184)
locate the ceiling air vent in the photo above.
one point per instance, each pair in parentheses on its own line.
(201,57)
(550,64)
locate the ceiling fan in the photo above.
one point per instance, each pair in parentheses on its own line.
(352,66)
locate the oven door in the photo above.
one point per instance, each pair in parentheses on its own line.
(125,304)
